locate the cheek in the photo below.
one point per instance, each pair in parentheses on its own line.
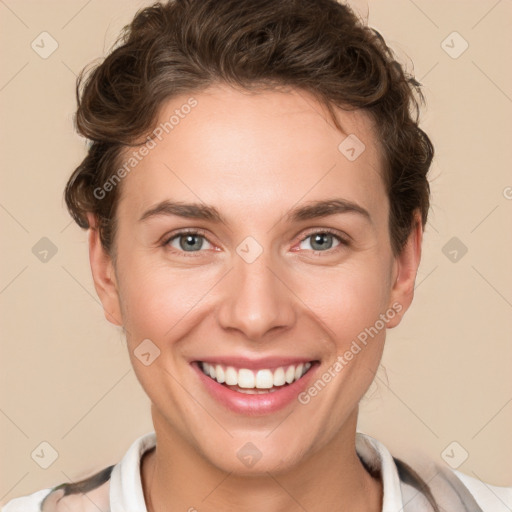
(157,300)
(347,299)
(162,303)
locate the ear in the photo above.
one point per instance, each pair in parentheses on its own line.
(405,268)
(103,274)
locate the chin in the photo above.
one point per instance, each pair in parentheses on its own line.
(243,457)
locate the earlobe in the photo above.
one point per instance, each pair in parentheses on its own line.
(103,274)
(405,268)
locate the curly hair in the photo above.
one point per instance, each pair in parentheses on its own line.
(184,46)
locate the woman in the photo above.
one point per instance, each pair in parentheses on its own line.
(255,193)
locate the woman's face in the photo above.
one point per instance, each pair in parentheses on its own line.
(266,288)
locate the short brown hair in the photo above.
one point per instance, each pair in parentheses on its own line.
(184,46)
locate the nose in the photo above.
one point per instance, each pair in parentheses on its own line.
(256,298)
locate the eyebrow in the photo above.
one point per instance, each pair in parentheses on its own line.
(317,209)
(312,210)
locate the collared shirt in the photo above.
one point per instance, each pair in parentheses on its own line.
(118,488)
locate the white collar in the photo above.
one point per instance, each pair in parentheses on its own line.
(126,494)
(378,457)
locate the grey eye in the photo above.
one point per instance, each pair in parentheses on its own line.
(321,241)
(187,242)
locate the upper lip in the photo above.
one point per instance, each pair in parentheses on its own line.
(269,362)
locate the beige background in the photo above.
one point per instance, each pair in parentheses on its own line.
(65,375)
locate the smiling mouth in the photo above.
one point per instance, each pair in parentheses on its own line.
(258,382)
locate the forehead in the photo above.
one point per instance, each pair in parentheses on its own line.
(255,149)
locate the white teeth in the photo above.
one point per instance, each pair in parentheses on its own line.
(231,376)
(279,379)
(245,378)
(220,374)
(264,379)
(251,382)
(290,374)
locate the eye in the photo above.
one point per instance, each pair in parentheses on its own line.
(186,241)
(322,241)
(194,241)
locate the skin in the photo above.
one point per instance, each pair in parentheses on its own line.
(255,157)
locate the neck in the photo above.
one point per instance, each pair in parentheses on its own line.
(176,478)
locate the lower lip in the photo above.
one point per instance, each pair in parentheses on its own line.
(256,404)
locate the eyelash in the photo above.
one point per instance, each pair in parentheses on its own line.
(196,231)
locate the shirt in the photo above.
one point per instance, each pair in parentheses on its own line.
(118,488)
